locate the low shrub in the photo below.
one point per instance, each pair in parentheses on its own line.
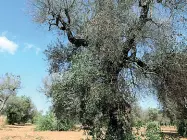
(49,122)
(46,122)
(153,131)
(65,125)
(138,126)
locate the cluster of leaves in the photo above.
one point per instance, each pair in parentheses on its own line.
(49,122)
(46,122)
(171,85)
(182,127)
(153,131)
(20,110)
(153,114)
(138,126)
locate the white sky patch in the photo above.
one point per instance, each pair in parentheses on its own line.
(29,46)
(37,51)
(7,45)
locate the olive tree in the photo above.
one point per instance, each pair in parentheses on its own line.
(111,43)
(9,84)
(20,110)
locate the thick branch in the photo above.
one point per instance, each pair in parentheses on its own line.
(76,41)
(144,12)
(65,26)
(130,44)
(3,102)
(67,15)
(2,105)
(140,63)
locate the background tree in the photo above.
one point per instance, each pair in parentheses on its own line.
(153,114)
(107,40)
(138,113)
(172,86)
(20,110)
(9,84)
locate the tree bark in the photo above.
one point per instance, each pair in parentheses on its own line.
(118,128)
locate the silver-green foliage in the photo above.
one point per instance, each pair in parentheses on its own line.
(46,122)
(108,39)
(9,84)
(20,110)
(153,131)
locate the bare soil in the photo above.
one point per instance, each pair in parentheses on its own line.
(13,132)
(9,132)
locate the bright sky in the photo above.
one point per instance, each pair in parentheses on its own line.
(22,43)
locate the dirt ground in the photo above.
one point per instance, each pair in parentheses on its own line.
(9,132)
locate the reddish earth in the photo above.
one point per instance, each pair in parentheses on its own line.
(9,132)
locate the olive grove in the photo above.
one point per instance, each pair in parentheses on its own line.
(115,47)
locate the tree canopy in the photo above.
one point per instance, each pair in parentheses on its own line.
(114,46)
(20,110)
(9,84)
